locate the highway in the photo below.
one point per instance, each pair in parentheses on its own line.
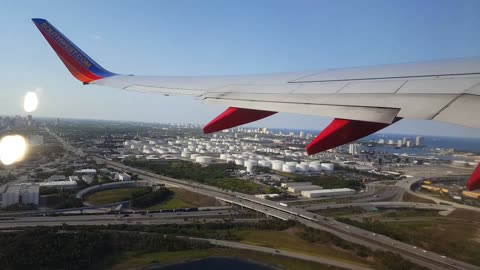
(342,230)
(296,255)
(412,205)
(105,219)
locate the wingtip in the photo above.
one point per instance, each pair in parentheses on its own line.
(38,20)
(80,65)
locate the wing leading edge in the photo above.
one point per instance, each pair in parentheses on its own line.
(362,100)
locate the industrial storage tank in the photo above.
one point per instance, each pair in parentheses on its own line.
(289,168)
(223,156)
(250,164)
(315,166)
(264,163)
(328,166)
(303,167)
(203,159)
(239,161)
(194,156)
(277,165)
(186,154)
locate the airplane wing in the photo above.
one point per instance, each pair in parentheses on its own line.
(362,100)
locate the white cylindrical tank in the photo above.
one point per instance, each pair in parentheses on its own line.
(239,161)
(264,163)
(289,168)
(328,166)
(194,156)
(203,159)
(250,165)
(302,167)
(315,166)
(185,154)
(223,156)
(250,162)
(277,165)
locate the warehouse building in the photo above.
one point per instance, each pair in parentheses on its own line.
(60,184)
(298,189)
(328,192)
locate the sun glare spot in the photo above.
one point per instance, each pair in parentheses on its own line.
(12,149)
(30,102)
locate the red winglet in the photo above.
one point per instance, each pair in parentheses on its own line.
(233,117)
(342,131)
(474,180)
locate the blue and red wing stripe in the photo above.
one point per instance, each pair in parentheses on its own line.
(82,67)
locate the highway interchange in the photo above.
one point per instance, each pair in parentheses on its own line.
(352,234)
(342,230)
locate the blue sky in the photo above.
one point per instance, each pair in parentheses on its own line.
(221,37)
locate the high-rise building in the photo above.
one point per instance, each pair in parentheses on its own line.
(355,148)
(409,143)
(419,141)
(29,120)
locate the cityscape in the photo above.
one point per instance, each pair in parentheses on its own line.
(259,135)
(98,173)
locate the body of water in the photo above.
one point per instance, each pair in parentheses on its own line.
(431,142)
(214,263)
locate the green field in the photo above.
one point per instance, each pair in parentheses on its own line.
(240,185)
(407,197)
(183,199)
(336,212)
(454,239)
(289,240)
(111,196)
(130,261)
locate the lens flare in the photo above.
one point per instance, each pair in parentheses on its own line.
(12,149)
(30,102)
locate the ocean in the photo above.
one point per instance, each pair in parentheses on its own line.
(431,142)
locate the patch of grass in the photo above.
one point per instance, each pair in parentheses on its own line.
(184,199)
(112,195)
(172,203)
(289,240)
(407,197)
(453,239)
(411,213)
(240,185)
(335,212)
(130,261)
(465,215)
